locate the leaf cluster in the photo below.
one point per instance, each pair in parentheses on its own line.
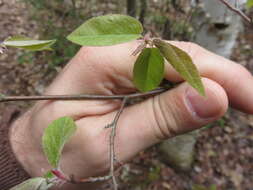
(148,70)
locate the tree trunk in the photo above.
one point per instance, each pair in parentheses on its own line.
(131,8)
(143,11)
(220,34)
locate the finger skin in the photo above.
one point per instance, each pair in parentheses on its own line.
(233,77)
(108,70)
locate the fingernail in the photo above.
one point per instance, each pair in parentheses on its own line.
(204,107)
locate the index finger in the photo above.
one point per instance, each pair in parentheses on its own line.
(233,77)
(108,70)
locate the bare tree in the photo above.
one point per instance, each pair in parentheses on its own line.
(131,8)
(143,11)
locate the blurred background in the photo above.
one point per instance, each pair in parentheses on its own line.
(217,157)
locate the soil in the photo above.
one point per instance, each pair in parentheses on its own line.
(224,154)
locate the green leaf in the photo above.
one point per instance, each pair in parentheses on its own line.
(148,69)
(33,184)
(55,136)
(107,30)
(249,4)
(28,43)
(182,63)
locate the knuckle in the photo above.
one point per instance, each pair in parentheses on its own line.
(92,59)
(193,49)
(192,46)
(241,69)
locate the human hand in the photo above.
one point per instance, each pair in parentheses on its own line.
(108,71)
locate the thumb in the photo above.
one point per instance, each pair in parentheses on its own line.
(172,113)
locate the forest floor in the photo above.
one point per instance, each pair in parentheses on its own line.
(224,154)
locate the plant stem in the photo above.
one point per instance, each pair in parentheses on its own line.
(113,125)
(237,11)
(81,96)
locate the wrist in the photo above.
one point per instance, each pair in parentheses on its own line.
(12,173)
(25,138)
(27,150)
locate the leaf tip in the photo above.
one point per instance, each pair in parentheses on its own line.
(200,88)
(202,92)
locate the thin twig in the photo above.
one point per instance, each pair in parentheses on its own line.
(81,97)
(89,179)
(111,175)
(113,125)
(112,142)
(237,11)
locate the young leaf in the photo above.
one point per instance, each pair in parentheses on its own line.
(148,69)
(182,63)
(107,30)
(249,4)
(38,183)
(28,43)
(55,137)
